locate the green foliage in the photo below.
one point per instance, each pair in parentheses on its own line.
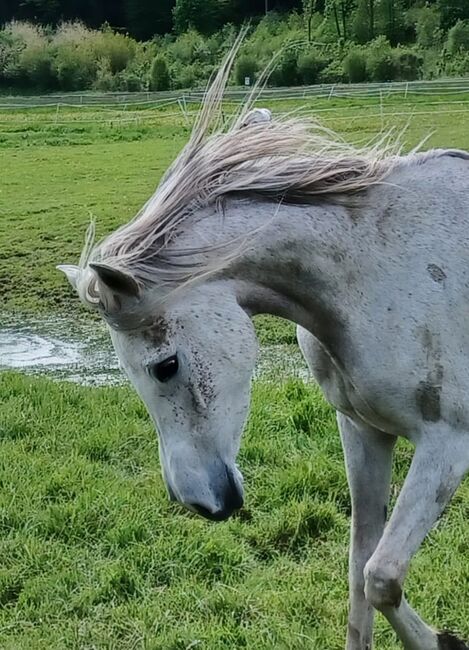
(408,64)
(457,65)
(427,27)
(203,15)
(363,21)
(75,57)
(246,66)
(104,78)
(333,73)
(145,18)
(381,64)
(458,37)
(285,72)
(452,11)
(159,75)
(310,64)
(355,66)
(117,49)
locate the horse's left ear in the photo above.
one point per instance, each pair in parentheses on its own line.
(116,280)
(118,291)
(71,271)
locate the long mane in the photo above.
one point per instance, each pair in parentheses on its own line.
(287,159)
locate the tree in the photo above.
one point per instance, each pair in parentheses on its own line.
(427,27)
(159,74)
(363,24)
(391,21)
(206,16)
(341,11)
(458,37)
(145,18)
(452,11)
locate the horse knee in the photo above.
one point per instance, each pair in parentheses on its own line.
(382,586)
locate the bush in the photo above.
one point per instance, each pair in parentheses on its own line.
(309,66)
(458,37)
(381,64)
(333,73)
(355,67)
(37,65)
(285,72)
(427,27)
(75,68)
(25,56)
(159,75)
(458,66)
(246,66)
(119,50)
(75,61)
(104,77)
(408,64)
(128,81)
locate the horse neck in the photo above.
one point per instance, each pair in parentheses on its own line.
(296,262)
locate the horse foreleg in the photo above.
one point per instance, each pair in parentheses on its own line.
(368,459)
(440,461)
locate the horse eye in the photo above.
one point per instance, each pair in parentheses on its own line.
(166,369)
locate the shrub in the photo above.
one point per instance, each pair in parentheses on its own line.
(128,81)
(427,27)
(37,65)
(309,66)
(408,64)
(285,72)
(75,61)
(458,65)
(75,68)
(458,37)
(381,64)
(119,50)
(246,66)
(159,74)
(333,73)
(104,77)
(355,67)
(25,55)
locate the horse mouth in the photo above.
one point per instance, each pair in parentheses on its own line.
(218,515)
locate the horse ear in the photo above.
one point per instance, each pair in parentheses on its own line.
(116,280)
(119,293)
(71,271)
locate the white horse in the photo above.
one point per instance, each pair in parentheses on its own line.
(367,251)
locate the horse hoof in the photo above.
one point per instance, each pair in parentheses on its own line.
(447,641)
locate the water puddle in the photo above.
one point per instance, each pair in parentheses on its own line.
(82,352)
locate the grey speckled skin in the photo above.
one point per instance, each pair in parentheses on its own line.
(379,287)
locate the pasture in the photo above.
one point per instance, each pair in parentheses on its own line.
(93,554)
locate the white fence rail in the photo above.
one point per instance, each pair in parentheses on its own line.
(450,87)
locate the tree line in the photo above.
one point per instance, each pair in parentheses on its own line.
(143,19)
(130,45)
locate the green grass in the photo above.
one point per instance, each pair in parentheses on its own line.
(95,556)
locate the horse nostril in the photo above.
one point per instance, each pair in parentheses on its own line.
(218,515)
(233,498)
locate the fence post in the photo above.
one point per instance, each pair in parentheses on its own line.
(57,113)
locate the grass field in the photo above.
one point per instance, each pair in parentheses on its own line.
(93,554)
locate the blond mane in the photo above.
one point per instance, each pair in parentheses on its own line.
(287,159)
